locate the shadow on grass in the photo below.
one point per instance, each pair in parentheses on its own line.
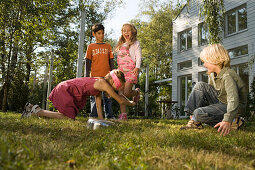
(145,133)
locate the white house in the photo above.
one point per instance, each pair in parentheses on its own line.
(190,37)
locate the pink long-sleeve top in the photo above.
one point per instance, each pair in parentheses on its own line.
(136,54)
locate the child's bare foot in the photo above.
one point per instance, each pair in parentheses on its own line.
(123,116)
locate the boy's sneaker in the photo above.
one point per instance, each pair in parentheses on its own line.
(237,123)
(123,116)
(137,97)
(193,125)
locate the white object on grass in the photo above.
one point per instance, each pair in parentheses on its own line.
(95,123)
(96,126)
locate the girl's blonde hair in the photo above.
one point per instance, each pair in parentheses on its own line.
(133,37)
(215,54)
(118,73)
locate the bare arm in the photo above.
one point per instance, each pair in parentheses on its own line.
(102,85)
(99,106)
(136,71)
(111,61)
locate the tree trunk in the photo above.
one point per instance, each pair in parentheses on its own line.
(29,60)
(11,61)
(6,80)
(3,58)
(4,104)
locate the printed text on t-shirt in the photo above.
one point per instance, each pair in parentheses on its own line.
(99,51)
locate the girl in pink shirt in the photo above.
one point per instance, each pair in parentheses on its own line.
(71,95)
(129,61)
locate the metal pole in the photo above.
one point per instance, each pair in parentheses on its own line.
(81,45)
(147,91)
(50,79)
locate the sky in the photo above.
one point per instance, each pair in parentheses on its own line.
(120,16)
(123,15)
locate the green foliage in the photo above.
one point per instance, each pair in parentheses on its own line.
(213,13)
(134,144)
(250,110)
(25,25)
(18,94)
(153,95)
(65,59)
(156,37)
(50,24)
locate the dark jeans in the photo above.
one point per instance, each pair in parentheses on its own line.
(204,105)
(107,102)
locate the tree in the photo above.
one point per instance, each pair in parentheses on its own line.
(213,12)
(51,24)
(24,26)
(250,109)
(155,37)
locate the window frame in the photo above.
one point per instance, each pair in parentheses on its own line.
(199,62)
(238,67)
(237,29)
(200,76)
(184,94)
(202,25)
(236,48)
(186,40)
(185,68)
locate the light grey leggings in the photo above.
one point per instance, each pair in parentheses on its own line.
(204,105)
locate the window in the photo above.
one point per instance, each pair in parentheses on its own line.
(243,71)
(184,65)
(203,76)
(185,39)
(185,90)
(236,20)
(199,62)
(238,51)
(203,34)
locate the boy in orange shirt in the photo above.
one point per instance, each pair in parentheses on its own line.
(99,61)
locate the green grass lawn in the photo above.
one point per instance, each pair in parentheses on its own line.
(135,144)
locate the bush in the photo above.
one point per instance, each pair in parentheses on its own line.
(251,102)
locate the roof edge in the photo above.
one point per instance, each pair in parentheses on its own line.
(180,12)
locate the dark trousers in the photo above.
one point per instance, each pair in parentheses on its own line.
(204,105)
(107,103)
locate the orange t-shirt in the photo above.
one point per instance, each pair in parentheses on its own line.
(99,54)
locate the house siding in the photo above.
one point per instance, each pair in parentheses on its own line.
(191,20)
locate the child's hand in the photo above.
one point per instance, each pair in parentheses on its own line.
(224,128)
(136,71)
(132,103)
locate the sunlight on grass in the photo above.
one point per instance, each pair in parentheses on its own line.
(39,143)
